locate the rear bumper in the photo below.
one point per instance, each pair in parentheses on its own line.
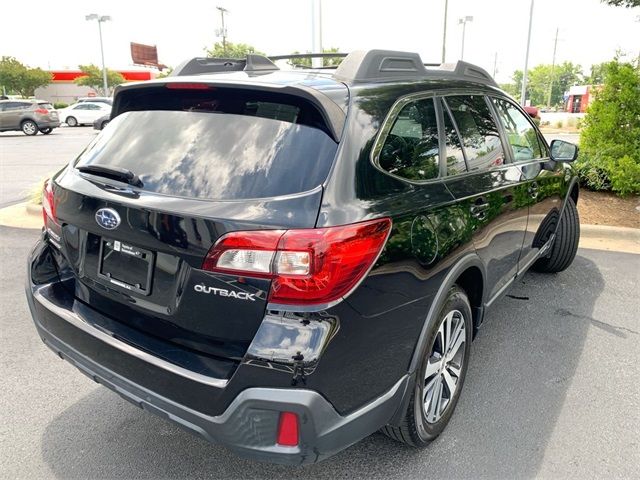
(248,425)
(48,124)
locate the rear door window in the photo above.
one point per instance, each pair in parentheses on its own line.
(223,144)
(478,131)
(411,149)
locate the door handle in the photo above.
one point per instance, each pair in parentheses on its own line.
(479,208)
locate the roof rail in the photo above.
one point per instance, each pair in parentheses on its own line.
(200,65)
(381,65)
(358,66)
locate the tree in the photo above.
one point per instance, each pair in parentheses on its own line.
(596,77)
(18,78)
(610,138)
(93,78)
(233,50)
(167,71)
(540,79)
(306,62)
(515,88)
(622,3)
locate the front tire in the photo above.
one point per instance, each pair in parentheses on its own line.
(71,121)
(29,127)
(441,375)
(565,245)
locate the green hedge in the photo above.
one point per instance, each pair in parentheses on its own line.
(610,139)
(60,105)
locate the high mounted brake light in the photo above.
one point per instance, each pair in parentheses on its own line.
(188,86)
(314,266)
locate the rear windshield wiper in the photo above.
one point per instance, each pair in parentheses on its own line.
(115,173)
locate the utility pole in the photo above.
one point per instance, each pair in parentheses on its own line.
(495,65)
(523,93)
(223,31)
(553,66)
(316,32)
(444,29)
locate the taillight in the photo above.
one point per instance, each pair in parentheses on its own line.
(42,111)
(288,435)
(308,266)
(48,204)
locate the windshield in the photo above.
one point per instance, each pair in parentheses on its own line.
(215,155)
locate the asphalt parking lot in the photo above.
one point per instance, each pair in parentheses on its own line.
(26,161)
(552,389)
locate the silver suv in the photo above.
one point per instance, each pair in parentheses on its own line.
(30,116)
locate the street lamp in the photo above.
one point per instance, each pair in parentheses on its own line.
(523,92)
(444,30)
(463,21)
(101,19)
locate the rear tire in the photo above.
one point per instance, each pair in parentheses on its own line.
(565,245)
(441,374)
(46,131)
(71,121)
(29,127)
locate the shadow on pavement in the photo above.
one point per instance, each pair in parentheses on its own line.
(521,366)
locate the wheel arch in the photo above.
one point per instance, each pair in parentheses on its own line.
(466,273)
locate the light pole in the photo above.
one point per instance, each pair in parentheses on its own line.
(444,29)
(223,31)
(523,93)
(316,32)
(463,21)
(101,19)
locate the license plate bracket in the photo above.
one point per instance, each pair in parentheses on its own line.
(126,266)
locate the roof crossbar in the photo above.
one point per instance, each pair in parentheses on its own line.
(308,55)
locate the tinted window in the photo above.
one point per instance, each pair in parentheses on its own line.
(92,107)
(455,157)
(82,106)
(521,134)
(411,148)
(478,131)
(202,154)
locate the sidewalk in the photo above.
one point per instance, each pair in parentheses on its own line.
(597,237)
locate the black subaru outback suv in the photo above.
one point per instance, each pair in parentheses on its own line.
(286,262)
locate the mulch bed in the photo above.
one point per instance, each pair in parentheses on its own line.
(604,208)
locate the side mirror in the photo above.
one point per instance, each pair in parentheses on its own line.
(562,151)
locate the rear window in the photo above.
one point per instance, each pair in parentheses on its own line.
(217,145)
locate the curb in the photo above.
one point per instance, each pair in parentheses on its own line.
(598,237)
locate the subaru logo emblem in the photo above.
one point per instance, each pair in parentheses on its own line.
(108,218)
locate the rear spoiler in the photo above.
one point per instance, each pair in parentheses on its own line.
(333,115)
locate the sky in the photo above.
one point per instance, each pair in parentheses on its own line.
(56,35)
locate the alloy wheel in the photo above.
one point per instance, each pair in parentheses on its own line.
(444,366)
(29,128)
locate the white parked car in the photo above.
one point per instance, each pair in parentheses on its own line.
(83,113)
